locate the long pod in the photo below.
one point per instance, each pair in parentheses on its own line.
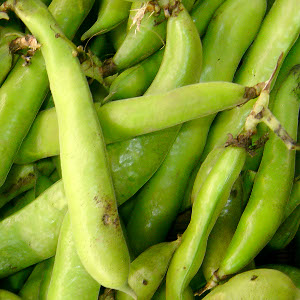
(23,91)
(277,35)
(69,279)
(206,209)
(88,185)
(160,199)
(111,13)
(148,270)
(264,211)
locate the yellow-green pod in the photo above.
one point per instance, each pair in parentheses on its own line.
(256,284)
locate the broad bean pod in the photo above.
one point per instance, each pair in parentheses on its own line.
(96,228)
(8,295)
(255,284)
(206,209)
(111,14)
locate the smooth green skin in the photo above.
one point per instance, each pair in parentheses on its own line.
(111,14)
(57,163)
(286,231)
(46,277)
(223,231)
(294,200)
(31,288)
(88,185)
(269,284)
(21,179)
(148,270)
(292,272)
(118,34)
(203,12)
(6,58)
(277,35)
(141,115)
(69,279)
(270,193)
(126,209)
(161,293)
(182,37)
(15,282)
(30,235)
(204,170)
(6,295)
(139,44)
(31,85)
(206,209)
(134,81)
(248,181)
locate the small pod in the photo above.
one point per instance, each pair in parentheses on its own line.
(148,270)
(256,284)
(111,14)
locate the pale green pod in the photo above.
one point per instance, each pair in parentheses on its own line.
(264,284)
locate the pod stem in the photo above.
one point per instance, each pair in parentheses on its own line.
(261,113)
(213,282)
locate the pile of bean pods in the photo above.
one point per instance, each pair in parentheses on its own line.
(148,149)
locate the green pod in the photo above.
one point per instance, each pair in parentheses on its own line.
(46,278)
(277,35)
(134,81)
(69,279)
(148,270)
(286,231)
(15,282)
(248,178)
(111,14)
(223,231)
(270,193)
(31,85)
(202,13)
(31,288)
(161,293)
(294,200)
(6,295)
(292,272)
(30,235)
(206,209)
(6,57)
(256,284)
(92,205)
(141,42)
(141,114)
